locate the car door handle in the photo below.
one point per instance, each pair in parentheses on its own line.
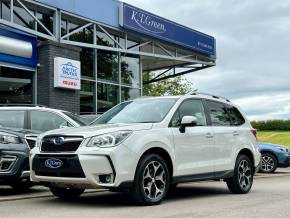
(209,135)
(236,133)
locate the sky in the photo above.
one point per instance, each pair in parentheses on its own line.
(253,50)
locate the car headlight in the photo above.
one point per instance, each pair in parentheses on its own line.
(283,149)
(109,140)
(6,138)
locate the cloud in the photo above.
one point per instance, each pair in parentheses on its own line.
(253,67)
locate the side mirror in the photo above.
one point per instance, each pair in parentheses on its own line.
(187,121)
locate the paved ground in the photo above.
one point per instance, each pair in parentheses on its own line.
(270,197)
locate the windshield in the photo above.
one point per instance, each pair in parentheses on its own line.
(138,111)
(79,120)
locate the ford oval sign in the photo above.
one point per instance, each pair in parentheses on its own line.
(53,163)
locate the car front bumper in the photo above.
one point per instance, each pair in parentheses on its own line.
(85,168)
(14,166)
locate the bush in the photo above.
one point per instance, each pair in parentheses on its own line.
(272,125)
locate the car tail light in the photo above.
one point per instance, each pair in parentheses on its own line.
(254,132)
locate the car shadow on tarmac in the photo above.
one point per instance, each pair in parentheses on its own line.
(7,191)
(113,199)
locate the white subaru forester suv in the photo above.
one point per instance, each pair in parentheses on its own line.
(149,145)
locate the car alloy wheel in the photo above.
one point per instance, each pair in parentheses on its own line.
(268,163)
(154,180)
(245,174)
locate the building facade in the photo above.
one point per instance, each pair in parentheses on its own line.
(87,56)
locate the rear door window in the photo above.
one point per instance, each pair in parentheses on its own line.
(12,119)
(235,115)
(44,121)
(218,114)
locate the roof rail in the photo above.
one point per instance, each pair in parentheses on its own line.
(213,96)
(21,105)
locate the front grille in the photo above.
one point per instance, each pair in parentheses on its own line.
(70,166)
(53,144)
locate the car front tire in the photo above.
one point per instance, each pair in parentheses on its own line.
(151,180)
(269,163)
(66,193)
(242,181)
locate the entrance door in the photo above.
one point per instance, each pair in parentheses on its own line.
(16,86)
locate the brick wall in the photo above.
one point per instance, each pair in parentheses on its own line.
(46,93)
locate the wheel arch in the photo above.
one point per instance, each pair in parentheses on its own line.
(248,153)
(164,154)
(270,152)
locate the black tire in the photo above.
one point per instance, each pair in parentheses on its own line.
(242,181)
(66,193)
(269,163)
(148,181)
(21,186)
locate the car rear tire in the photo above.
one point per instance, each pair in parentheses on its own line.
(242,181)
(66,193)
(269,163)
(151,180)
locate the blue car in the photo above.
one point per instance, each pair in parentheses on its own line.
(273,156)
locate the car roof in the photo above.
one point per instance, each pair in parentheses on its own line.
(30,108)
(193,95)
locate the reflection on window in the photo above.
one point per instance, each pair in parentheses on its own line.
(108,96)
(21,17)
(218,114)
(46,20)
(193,107)
(104,40)
(85,35)
(108,66)
(130,71)
(12,119)
(87,62)
(15,86)
(63,27)
(5,10)
(87,96)
(129,93)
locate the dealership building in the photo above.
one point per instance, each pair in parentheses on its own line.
(89,55)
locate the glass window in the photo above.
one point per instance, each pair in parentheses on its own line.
(21,17)
(46,20)
(12,119)
(5,10)
(108,96)
(218,114)
(87,103)
(87,62)
(129,93)
(45,121)
(192,107)
(138,111)
(85,35)
(130,71)
(108,66)
(81,121)
(15,86)
(63,27)
(236,117)
(104,40)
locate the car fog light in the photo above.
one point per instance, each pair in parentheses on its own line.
(106,179)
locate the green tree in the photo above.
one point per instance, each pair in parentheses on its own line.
(173,86)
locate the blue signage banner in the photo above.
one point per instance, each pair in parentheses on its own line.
(17,47)
(152,25)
